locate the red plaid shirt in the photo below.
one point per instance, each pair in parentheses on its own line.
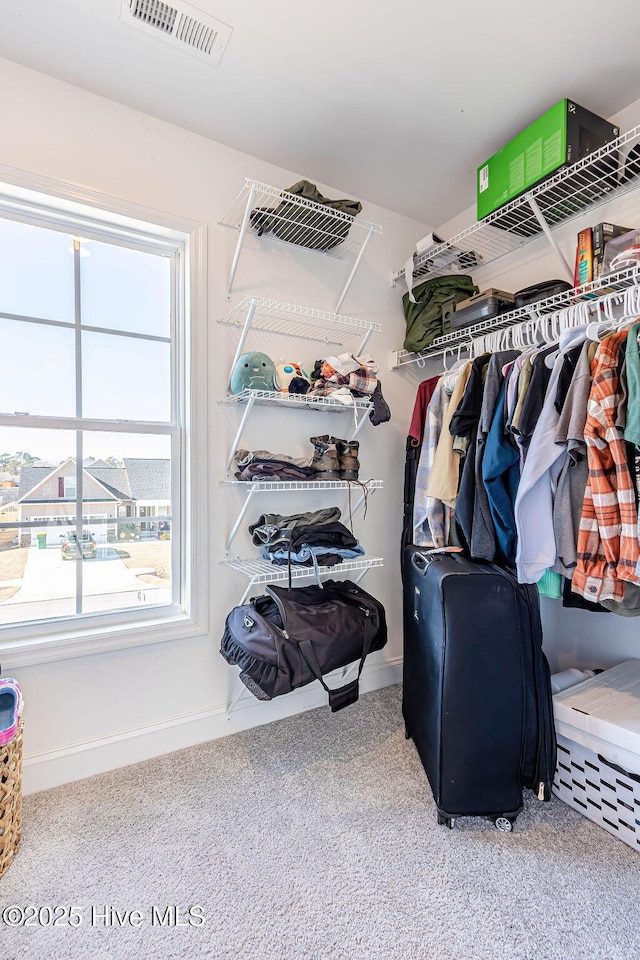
(608,536)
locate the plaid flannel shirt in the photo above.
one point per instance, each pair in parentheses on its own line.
(363,380)
(324,388)
(608,551)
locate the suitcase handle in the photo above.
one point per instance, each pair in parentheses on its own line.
(421,561)
(614,766)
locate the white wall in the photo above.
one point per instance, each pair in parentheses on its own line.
(571,637)
(94,712)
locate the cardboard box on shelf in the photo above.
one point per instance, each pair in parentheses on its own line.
(583,272)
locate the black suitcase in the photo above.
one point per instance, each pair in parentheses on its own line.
(476,686)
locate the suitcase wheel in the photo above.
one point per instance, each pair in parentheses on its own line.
(444,821)
(504,824)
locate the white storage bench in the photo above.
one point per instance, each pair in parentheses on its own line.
(598,729)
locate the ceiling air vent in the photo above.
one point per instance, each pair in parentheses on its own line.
(181,25)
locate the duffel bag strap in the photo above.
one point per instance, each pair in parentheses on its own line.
(347,694)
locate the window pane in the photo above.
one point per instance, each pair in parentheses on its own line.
(129,486)
(132,571)
(38,373)
(125,289)
(125,548)
(36,272)
(125,379)
(34,466)
(40,466)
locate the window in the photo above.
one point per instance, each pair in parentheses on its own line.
(93,415)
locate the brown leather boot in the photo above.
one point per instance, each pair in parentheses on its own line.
(325,459)
(348,459)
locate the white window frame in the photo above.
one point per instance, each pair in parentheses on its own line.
(53,204)
(70,483)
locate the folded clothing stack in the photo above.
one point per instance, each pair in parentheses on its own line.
(263,465)
(305,539)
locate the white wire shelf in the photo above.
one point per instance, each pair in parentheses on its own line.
(262,210)
(298,219)
(263,571)
(289,486)
(566,194)
(612,283)
(362,491)
(275,316)
(300,401)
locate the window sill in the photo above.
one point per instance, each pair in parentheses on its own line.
(87,641)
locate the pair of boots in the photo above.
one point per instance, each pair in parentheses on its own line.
(335,459)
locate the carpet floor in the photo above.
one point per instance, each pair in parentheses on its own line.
(313,838)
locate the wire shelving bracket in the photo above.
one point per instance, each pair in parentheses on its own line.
(556,200)
(334,231)
(291,486)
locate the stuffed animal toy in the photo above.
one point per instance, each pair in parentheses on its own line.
(286,372)
(253,371)
(299,385)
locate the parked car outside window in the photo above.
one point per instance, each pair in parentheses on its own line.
(69,546)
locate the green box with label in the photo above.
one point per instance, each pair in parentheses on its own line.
(563,135)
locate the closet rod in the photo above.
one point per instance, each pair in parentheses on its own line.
(548,327)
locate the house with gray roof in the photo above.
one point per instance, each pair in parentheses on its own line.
(139,491)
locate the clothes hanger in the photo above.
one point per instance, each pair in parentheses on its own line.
(445,368)
(629,309)
(477,346)
(595,329)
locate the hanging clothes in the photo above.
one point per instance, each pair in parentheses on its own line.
(444,477)
(431,522)
(539,454)
(608,550)
(536,550)
(569,497)
(464,425)
(536,392)
(412,456)
(632,426)
(483,539)
(419,415)
(501,476)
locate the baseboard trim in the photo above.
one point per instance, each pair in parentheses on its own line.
(91,757)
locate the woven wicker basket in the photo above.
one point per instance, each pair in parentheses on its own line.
(10,800)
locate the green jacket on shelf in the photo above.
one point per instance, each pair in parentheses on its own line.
(425,317)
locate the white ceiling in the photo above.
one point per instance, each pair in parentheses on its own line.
(394,103)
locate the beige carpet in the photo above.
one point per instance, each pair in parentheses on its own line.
(314,838)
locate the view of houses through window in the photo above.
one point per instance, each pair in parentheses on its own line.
(88,433)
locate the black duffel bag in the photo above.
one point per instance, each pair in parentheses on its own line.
(293,635)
